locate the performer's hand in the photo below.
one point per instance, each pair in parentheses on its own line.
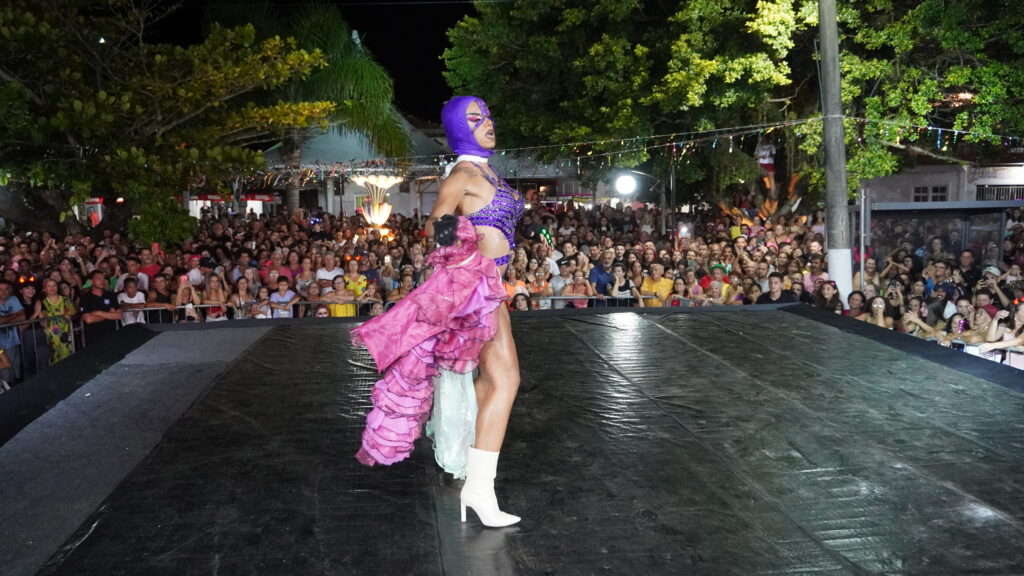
(444,230)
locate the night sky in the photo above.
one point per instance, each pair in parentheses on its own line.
(407,37)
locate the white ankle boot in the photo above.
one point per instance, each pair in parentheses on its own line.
(478,492)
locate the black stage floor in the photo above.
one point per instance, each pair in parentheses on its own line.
(738,442)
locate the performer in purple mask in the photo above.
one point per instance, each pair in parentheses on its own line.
(456,321)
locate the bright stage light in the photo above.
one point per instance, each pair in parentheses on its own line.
(625,184)
(376,208)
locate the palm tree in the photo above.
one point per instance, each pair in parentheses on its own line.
(360,89)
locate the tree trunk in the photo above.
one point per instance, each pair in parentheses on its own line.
(291,154)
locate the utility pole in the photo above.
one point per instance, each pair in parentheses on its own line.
(672,189)
(837,221)
(664,208)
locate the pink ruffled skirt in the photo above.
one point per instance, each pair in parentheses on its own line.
(442,324)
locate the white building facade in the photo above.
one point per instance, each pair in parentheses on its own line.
(949,183)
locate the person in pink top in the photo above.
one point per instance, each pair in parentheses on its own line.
(455,320)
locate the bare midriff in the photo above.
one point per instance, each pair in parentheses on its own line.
(492,243)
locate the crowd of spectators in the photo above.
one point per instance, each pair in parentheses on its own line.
(243,266)
(964,297)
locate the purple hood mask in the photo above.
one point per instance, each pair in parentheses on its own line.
(460,135)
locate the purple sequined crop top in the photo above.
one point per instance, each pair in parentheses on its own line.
(502,213)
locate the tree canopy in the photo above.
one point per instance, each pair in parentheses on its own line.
(569,71)
(89,107)
(360,90)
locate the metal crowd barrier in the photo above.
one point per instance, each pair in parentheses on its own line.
(619,302)
(1010,356)
(31,354)
(161,315)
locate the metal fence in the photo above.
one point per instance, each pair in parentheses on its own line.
(552,302)
(221,312)
(33,345)
(38,338)
(28,348)
(999,192)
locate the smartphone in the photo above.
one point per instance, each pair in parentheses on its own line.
(387,258)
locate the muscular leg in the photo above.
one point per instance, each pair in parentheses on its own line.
(497,385)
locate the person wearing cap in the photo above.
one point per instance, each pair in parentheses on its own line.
(990,278)
(740,244)
(207,265)
(947,293)
(566,267)
(717,273)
